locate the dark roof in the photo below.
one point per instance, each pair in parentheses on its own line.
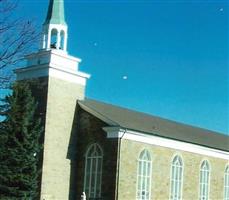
(148,124)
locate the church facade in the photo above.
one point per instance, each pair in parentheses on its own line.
(98,151)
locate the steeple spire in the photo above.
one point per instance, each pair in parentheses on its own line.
(55,13)
(54,35)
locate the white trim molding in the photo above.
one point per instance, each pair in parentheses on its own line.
(118,132)
(54,64)
(44,71)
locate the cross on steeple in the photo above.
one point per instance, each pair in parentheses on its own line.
(54,35)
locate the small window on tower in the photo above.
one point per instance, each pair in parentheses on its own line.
(53,43)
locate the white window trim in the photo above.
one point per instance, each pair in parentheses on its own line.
(226,176)
(171,173)
(150,173)
(85,167)
(209,178)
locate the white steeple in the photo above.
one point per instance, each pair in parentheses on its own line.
(53,59)
(55,29)
(57,84)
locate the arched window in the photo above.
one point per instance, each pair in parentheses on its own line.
(62,40)
(176,178)
(144,176)
(204,180)
(93,171)
(226,183)
(53,43)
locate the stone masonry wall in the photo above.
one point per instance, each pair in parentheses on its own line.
(161,165)
(89,132)
(61,104)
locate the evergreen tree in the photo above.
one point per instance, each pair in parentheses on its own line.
(20,133)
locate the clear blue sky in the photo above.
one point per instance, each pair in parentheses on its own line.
(174,55)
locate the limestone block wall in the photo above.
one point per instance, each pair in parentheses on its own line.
(90,131)
(60,110)
(161,166)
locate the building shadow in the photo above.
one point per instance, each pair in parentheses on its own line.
(72,154)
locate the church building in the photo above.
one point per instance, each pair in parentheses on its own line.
(98,151)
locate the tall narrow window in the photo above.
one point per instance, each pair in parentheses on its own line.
(226,183)
(144,176)
(204,180)
(93,172)
(176,178)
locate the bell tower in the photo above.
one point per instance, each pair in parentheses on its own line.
(59,85)
(55,29)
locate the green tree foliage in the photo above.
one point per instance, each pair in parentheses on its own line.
(20,133)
